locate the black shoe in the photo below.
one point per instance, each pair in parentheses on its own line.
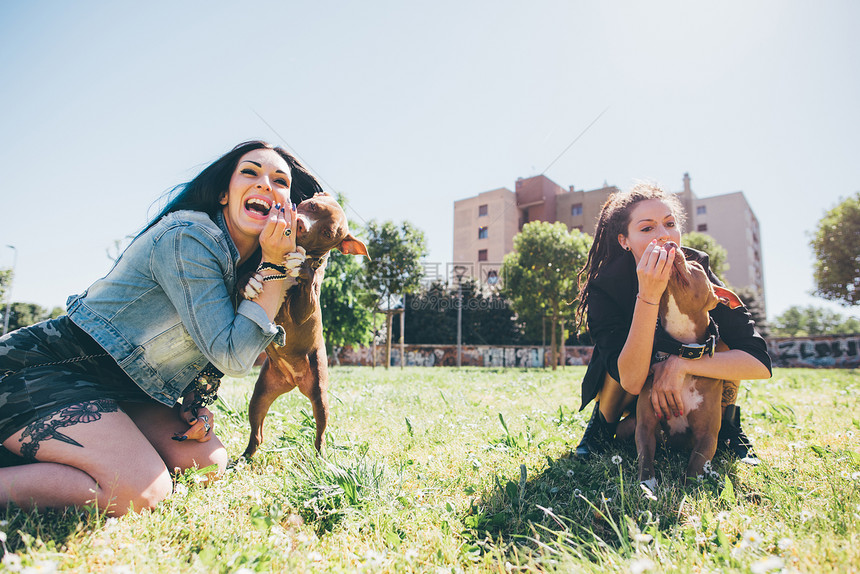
(732,438)
(597,434)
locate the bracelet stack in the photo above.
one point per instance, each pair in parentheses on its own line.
(281,275)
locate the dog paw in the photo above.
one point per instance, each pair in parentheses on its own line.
(293,261)
(648,487)
(254,287)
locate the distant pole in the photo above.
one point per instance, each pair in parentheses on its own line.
(9,290)
(402,329)
(459,271)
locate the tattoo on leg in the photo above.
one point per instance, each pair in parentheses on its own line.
(48,428)
(730,392)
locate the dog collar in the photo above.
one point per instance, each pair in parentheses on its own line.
(663,342)
(317,262)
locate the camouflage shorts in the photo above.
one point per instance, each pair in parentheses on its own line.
(51,365)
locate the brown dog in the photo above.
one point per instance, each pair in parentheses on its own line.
(684,316)
(302,361)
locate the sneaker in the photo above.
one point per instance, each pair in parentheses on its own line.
(733,439)
(596,435)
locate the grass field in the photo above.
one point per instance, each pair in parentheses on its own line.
(445,470)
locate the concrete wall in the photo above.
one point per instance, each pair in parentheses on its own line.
(472,356)
(841,351)
(812,352)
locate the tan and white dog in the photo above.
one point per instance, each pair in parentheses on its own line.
(683,313)
(302,362)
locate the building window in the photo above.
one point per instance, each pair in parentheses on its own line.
(702,227)
(482,210)
(576,209)
(701,209)
(482,232)
(482,255)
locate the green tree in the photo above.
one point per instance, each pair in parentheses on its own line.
(540,274)
(431,316)
(26,314)
(799,321)
(347,319)
(717,254)
(836,248)
(394,269)
(5,279)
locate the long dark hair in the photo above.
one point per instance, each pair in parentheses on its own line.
(204,192)
(614,220)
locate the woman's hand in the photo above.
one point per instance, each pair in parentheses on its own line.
(279,235)
(200,426)
(668,382)
(654,269)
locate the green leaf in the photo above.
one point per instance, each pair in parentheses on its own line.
(819,450)
(728,492)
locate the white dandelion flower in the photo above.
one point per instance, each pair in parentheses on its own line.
(751,539)
(11,562)
(641,565)
(616,459)
(642,538)
(570,473)
(767,564)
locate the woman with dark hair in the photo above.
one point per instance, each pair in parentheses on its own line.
(623,280)
(90,400)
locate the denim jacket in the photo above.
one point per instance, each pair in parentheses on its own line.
(167,307)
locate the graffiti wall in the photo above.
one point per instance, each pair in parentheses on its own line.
(475,356)
(838,351)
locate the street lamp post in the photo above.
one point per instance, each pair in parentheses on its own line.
(459,271)
(9,290)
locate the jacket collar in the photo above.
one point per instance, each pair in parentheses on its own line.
(234,251)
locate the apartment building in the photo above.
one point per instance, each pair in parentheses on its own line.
(485,225)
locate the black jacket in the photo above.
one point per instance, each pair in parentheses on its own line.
(611,300)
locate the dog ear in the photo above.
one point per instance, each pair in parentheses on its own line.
(728,297)
(352,246)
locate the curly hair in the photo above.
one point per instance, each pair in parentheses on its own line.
(613,221)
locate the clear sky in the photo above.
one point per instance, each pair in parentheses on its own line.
(406,107)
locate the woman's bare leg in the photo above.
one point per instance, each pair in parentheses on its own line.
(159,423)
(85,453)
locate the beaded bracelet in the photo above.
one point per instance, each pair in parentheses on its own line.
(274,266)
(275,277)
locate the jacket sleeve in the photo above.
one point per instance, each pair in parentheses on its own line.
(189,266)
(737,327)
(609,327)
